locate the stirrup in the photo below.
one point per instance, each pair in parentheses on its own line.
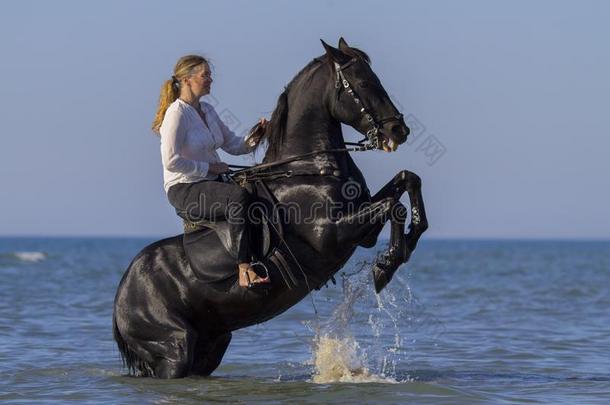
(261,285)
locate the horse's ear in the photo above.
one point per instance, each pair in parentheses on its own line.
(334,54)
(343,45)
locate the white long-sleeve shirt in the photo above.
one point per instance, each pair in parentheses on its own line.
(188,146)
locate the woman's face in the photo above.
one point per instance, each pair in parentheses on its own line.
(201,80)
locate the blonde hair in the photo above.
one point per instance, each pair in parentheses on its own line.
(170,90)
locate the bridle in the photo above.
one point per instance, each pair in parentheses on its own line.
(370,142)
(372,134)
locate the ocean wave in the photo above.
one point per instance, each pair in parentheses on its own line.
(30,257)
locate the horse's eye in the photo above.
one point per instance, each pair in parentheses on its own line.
(363,84)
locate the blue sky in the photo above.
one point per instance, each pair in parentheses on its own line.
(510,99)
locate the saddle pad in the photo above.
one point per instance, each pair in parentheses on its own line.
(208,257)
(210,249)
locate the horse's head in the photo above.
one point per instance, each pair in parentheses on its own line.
(361,101)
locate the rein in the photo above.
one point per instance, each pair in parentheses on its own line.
(246,174)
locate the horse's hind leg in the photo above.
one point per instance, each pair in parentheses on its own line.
(209,353)
(156,350)
(174,356)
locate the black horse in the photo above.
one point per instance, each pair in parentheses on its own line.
(169,321)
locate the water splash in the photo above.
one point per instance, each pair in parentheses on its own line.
(341,356)
(341,360)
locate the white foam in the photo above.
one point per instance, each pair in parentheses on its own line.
(341,360)
(31,257)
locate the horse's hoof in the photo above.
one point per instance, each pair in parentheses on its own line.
(380,278)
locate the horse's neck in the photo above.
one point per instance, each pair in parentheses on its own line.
(310,129)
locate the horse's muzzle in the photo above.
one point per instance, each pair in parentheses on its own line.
(394,134)
(399,132)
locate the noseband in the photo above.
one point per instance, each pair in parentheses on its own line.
(372,134)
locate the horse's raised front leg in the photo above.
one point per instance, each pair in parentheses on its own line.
(401,245)
(355,226)
(395,188)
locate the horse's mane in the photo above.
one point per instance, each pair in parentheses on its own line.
(274,135)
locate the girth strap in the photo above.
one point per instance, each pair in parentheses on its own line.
(280,262)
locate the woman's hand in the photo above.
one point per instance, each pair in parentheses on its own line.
(257,132)
(263,123)
(218,168)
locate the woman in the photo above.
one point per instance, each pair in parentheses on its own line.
(191,131)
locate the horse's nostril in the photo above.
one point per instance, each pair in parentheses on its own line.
(399,131)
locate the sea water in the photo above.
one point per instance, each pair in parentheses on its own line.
(462,322)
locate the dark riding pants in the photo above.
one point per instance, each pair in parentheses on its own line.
(213,200)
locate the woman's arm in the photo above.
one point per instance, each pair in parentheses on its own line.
(232,144)
(173,133)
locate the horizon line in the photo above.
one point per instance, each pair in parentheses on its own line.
(429,238)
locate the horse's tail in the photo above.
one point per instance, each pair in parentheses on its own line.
(134,364)
(124,351)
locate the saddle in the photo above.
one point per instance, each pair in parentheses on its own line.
(266,232)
